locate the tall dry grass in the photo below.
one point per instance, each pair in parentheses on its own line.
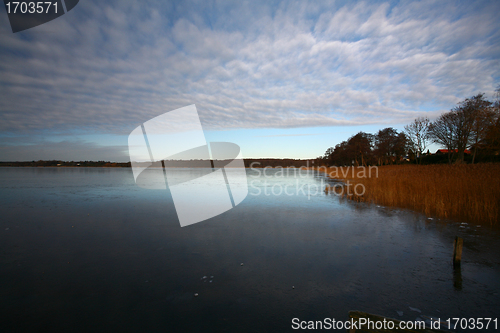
(468,192)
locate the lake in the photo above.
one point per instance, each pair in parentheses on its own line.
(86,249)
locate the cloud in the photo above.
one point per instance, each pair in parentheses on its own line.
(278,135)
(107,67)
(64,150)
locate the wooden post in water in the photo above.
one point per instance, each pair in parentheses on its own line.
(457,251)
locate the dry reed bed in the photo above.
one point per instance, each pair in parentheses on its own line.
(468,192)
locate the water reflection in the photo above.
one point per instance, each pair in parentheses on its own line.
(88,247)
(457,278)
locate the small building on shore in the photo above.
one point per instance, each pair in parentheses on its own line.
(446,151)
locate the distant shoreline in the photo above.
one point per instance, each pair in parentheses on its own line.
(252,162)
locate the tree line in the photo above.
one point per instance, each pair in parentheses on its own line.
(60,163)
(248,162)
(473,125)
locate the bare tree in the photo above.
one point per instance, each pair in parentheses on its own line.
(490,143)
(464,126)
(483,120)
(472,117)
(418,135)
(442,131)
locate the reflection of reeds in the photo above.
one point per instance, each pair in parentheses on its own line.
(345,191)
(465,191)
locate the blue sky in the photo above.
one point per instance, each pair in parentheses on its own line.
(281,79)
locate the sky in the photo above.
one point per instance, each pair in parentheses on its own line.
(284,79)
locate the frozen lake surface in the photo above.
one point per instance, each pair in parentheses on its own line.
(85,249)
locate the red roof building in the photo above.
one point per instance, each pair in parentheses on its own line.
(445,151)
